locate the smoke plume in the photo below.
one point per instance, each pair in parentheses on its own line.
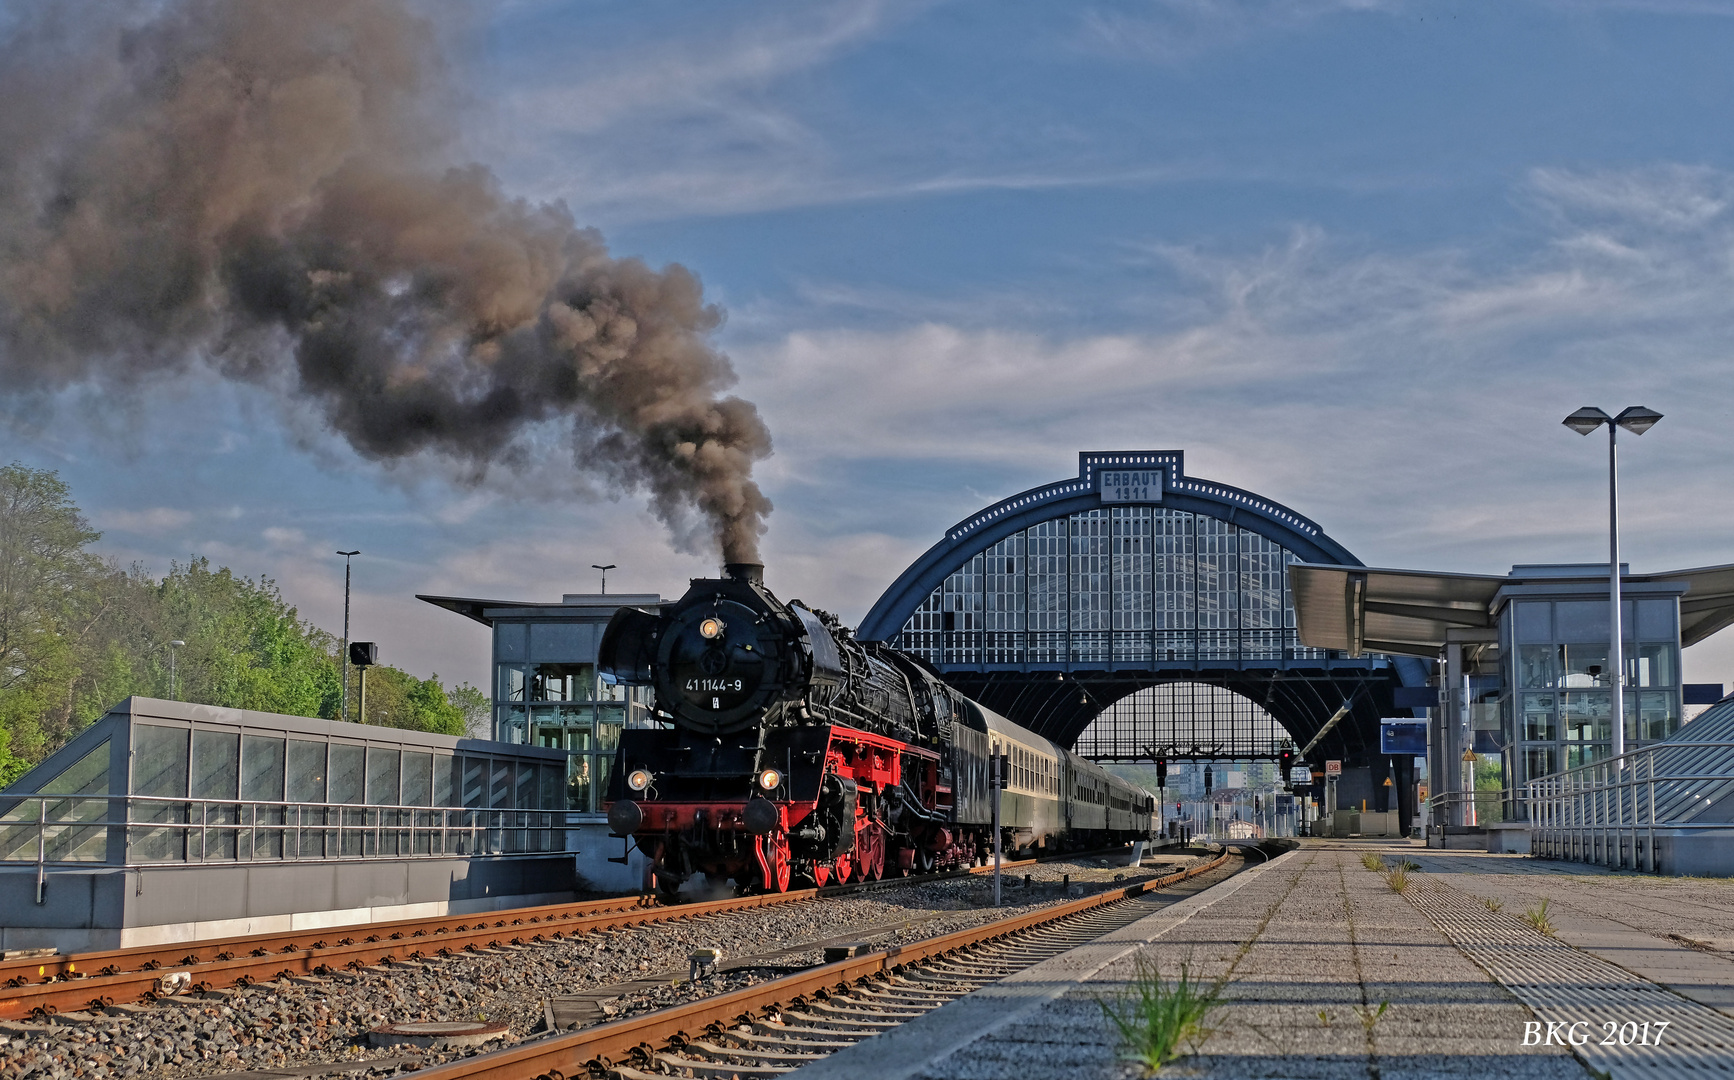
(263,187)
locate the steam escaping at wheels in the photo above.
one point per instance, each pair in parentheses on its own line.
(787,752)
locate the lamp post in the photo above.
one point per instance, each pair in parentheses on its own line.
(1637,420)
(174,694)
(344,707)
(604,569)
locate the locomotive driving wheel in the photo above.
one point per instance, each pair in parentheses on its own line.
(870,851)
(773,859)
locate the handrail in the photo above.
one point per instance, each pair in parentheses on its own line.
(1606,812)
(143,830)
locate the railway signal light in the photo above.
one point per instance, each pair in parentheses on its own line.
(1161,772)
(1285,762)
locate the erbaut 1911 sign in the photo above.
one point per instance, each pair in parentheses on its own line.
(1131,485)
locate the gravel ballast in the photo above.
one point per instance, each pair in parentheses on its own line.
(302,1021)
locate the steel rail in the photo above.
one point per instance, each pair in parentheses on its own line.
(38,986)
(638,1038)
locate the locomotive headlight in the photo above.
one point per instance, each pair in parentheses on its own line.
(639,779)
(769,779)
(711,628)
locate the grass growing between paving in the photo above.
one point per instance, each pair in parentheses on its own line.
(1537,917)
(1155,1017)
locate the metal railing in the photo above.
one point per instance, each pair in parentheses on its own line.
(1492,806)
(1609,812)
(139,830)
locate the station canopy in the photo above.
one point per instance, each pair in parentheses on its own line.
(1360,609)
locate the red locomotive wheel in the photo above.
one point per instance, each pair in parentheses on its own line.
(870,851)
(773,857)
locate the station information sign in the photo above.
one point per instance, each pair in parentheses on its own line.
(1130,485)
(1333,769)
(1403,737)
(1300,774)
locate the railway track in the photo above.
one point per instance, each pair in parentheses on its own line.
(779,1025)
(38,987)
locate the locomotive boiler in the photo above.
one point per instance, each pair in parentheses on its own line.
(787,751)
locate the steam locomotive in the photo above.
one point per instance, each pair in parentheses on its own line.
(790,752)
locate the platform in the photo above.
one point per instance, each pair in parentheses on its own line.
(1330,973)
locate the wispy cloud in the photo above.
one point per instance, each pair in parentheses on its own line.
(1170,31)
(152,521)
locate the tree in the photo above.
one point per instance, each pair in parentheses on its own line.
(477,709)
(78,635)
(49,598)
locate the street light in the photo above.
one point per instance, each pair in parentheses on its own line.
(604,569)
(1637,420)
(347,555)
(174,695)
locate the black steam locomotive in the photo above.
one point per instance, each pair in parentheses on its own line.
(790,751)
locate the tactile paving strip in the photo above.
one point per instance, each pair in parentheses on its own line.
(1565,986)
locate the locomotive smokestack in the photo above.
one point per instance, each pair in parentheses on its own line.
(751,572)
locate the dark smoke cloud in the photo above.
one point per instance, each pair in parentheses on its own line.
(258,185)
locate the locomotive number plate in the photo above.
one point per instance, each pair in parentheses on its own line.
(716,686)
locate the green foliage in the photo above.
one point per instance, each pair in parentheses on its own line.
(1373,862)
(78,634)
(1537,917)
(1154,1017)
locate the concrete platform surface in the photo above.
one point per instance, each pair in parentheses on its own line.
(1328,972)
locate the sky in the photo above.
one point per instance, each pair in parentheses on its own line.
(1360,257)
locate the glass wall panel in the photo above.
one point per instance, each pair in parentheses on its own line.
(1657,718)
(1656,620)
(1003,613)
(1587,664)
(348,773)
(1092,597)
(262,780)
(475,780)
(512,684)
(348,785)
(1653,666)
(501,796)
(509,724)
(961,615)
(417,779)
(262,768)
(216,773)
(382,776)
(1534,621)
(69,841)
(1537,666)
(1539,723)
(1218,589)
(1134,583)
(923,635)
(444,793)
(1174,562)
(1048,604)
(1261,588)
(1581,621)
(306,784)
(1586,715)
(1540,761)
(562,682)
(306,771)
(526,796)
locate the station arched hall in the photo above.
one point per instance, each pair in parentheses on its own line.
(1056,602)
